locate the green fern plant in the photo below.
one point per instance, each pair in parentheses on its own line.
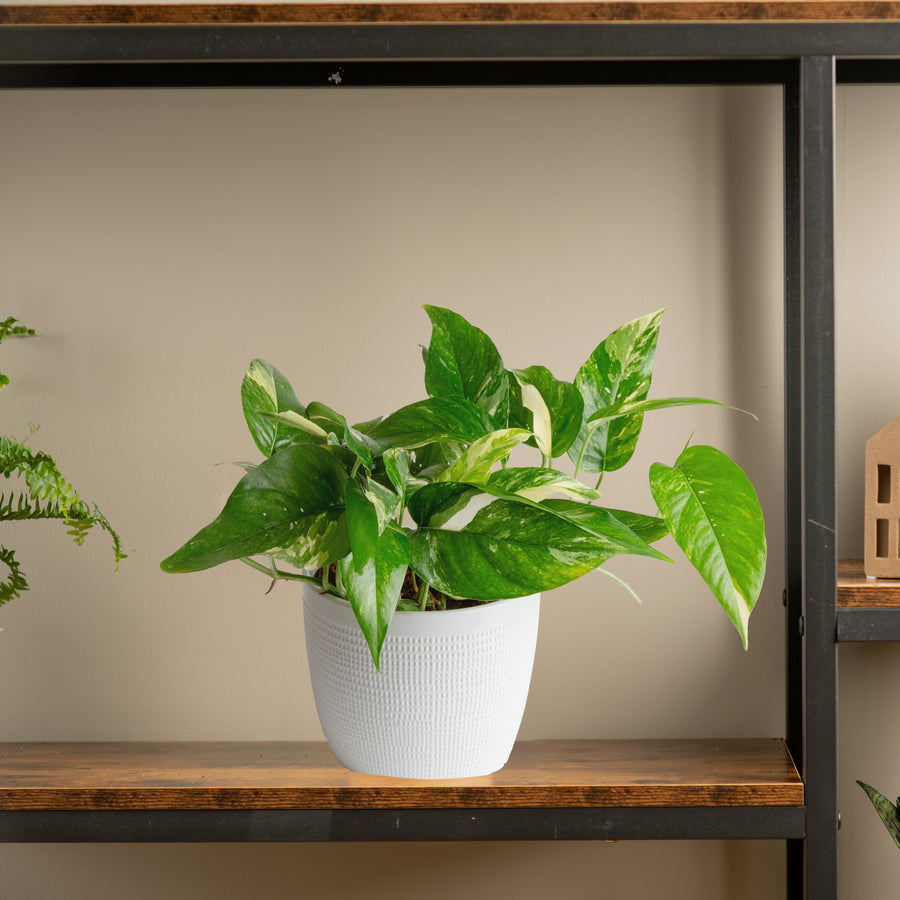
(46,494)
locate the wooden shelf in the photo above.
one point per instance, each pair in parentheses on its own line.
(855,590)
(224,13)
(549,789)
(307,776)
(868,608)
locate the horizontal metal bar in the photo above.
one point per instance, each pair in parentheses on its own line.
(115,826)
(868,625)
(394,74)
(868,71)
(471,41)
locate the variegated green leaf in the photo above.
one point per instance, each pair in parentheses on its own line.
(331,421)
(265,391)
(492,548)
(291,506)
(383,499)
(297,422)
(436,420)
(539,484)
(619,370)
(482,455)
(434,504)
(712,511)
(397,465)
(462,361)
(887,811)
(551,409)
(373,588)
(640,530)
(625,410)
(362,525)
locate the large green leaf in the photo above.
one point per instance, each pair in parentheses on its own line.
(438,419)
(477,460)
(888,812)
(265,392)
(462,361)
(601,519)
(619,370)
(290,506)
(373,588)
(492,547)
(712,511)
(551,409)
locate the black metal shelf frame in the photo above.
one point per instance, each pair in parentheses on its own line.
(803,58)
(316,825)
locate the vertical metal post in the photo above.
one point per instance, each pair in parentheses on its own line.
(819,563)
(793,455)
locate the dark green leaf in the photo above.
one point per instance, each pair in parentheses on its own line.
(619,370)
(290,506)
(462,361)
(265,390)
(438,419)
(713,513)
(889,812)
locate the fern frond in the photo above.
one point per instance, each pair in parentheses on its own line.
(49,495)
(15,582)
(11,328)
(44,480)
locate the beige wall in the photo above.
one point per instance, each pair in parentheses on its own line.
(160,240)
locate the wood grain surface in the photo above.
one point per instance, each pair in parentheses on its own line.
(855,590)
(297,775)
(438,12)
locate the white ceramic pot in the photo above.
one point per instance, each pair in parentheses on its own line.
(450,696)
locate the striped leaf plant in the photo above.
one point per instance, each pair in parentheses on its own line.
(423,508)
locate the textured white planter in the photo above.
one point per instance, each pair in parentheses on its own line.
(450,696)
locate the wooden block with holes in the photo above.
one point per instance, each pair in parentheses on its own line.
(882,528)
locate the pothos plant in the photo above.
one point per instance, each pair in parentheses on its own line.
(424,506)
(45,493)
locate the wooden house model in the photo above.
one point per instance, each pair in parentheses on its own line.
(882,528)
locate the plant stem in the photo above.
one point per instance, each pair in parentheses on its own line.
(279,575)
(423,593)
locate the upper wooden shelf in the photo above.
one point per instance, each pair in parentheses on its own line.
(620,11)
(868,609)
(283,776)
(855,590)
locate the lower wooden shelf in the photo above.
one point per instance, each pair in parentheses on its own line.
(549,790)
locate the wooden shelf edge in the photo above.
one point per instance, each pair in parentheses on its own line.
(298,775)
(856,591)
(68,14)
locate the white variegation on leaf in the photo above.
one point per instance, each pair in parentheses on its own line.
(477,460)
